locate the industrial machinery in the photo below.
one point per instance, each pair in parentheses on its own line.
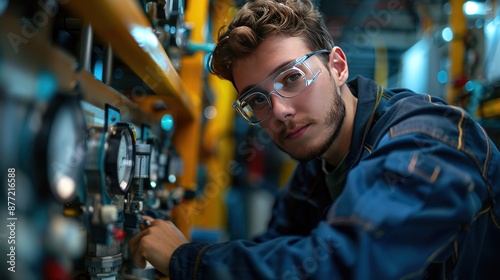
(88,124)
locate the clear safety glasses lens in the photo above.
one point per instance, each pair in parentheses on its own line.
(255,105)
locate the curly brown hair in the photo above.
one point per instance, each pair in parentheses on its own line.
(257,20)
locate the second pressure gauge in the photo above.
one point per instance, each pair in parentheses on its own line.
(119,158)
(60,147)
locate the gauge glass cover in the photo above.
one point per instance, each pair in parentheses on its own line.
(119,158)
(65,153)
(122,158)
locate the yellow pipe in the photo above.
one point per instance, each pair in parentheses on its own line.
(490,109)
(217,143)
(187,136)
(381,64)
(457,22)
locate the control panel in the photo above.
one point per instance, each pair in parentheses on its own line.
(90,97)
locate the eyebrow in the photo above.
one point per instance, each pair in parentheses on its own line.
(274,71)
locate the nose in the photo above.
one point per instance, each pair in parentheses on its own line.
(282,107)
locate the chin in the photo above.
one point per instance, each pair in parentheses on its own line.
(316,150)
(303,154)
(302,158)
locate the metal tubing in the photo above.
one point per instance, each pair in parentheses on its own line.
(86,47)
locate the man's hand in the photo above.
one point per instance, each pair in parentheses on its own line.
(156,244)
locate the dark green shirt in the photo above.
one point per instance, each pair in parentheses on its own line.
(335,178)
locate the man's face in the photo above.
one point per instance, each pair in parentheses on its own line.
(303,126)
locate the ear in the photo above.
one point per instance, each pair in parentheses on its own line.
(338,64)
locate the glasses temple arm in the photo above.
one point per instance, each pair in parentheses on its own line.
(313,79)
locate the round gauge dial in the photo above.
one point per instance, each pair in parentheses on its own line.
(122,159)
(119,158)
(61,147)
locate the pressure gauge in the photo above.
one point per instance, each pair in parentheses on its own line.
(110,163)
(60,147)
(119,158)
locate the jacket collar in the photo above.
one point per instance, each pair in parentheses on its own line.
(369,95)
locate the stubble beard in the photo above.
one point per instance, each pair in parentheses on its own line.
(333,121)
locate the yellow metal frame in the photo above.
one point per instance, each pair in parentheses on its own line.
(209,210)
(456,48)
(187,137)
(123,25)
(381,64)
(490,109)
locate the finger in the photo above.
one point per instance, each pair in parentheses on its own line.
(139,261)
(136,255)
(147,218)
(144,224)
(133,242)
(138,247)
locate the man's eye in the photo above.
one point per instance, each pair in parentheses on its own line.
(293,77)
(289,79)
(256,100)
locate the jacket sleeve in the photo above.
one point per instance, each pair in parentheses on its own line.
(403,206)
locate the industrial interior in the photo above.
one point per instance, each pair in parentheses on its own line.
(108,112)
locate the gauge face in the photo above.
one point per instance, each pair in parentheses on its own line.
(119,158)
(122,159)
(63,148)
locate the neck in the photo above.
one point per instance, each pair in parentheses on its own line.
(340,147)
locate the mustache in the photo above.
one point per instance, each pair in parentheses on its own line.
(279,129)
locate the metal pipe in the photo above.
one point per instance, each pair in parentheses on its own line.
(86,47)
(107,65)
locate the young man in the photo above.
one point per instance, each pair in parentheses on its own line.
(390,184)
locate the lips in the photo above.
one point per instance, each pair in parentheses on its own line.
(296,133)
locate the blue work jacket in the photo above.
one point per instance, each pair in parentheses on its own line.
(420,201)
